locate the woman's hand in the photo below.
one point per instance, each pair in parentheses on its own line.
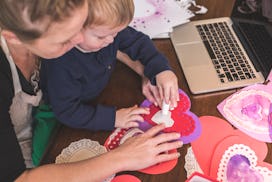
(147,149)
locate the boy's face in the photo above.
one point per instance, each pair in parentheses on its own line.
(98,37)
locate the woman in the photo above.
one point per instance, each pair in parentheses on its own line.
(49,28)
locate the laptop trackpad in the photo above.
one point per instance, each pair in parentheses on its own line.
(193,54)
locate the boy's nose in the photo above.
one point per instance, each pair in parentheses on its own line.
(78,38)
(109,39)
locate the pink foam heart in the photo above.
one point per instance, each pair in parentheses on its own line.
(185,122)
(248,110)
(211,135)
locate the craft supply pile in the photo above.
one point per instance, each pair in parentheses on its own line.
(156,18)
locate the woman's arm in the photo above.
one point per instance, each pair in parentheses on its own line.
(136,153)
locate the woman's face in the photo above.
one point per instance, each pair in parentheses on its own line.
(61,36)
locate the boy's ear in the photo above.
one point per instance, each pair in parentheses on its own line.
(10,37)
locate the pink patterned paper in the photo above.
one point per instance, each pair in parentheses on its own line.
(248,110)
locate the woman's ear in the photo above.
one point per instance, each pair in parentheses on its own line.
(10,37)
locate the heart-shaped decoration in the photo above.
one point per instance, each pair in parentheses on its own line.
(125,178)
(185,122)
(220,145)
(248,110)
(240,162)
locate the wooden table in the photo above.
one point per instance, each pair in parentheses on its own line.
(124,90)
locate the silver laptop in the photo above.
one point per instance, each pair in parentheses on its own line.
(222,53)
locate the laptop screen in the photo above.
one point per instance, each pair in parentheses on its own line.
(257,40)
(259,10)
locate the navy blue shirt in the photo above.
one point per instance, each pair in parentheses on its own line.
(70,82)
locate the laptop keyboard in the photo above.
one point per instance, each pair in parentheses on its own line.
(227,57)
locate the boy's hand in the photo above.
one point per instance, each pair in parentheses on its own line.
(128,117)
(151,92)
(167,84)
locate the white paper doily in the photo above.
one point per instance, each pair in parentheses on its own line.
(191,165)
(81,150)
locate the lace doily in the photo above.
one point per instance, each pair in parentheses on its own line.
(81,150)
(246,152)
(191,164)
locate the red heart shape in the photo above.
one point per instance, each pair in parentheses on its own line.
(184,121)
(217,136)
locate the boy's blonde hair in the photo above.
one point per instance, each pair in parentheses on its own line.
(29,19)
(110,12)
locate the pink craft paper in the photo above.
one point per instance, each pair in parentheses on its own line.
(113,141)
(217,135)
(259,148)
(248,110)
(125,178)
(185,122)
(212,134)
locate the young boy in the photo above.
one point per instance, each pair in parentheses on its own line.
(70,82)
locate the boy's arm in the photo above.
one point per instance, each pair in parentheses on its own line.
(134,65)
(150,91)
(140,47)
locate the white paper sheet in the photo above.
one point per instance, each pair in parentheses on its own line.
(156,18)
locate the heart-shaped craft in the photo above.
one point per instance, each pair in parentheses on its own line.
(119,136)
(248,110)
(231,155)
(185,122)
(219,145)
(125,178)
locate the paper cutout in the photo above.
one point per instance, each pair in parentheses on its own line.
(248,110)
(125,178)
(163,116)
(154,17)
(185,122)
(118,136)
(241,165)
(224,142)
(81,150)
(198,177)
(191,165)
